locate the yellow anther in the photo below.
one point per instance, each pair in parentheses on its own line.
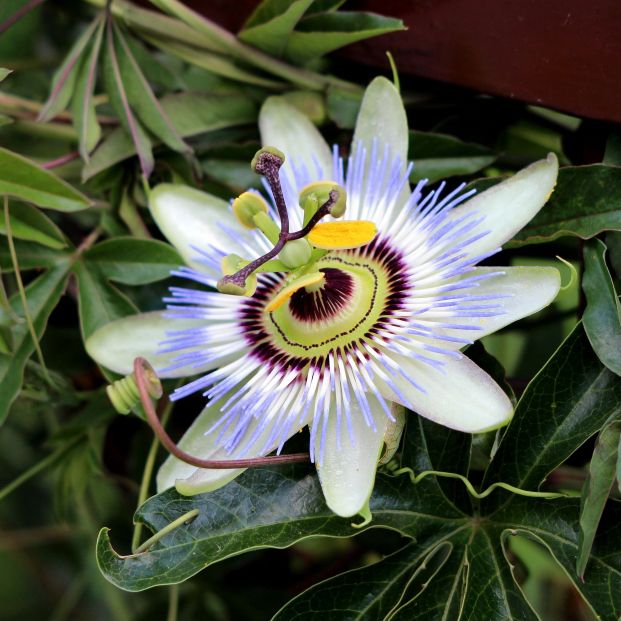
(284,294)
(231,264)
(342,235)
(246,206)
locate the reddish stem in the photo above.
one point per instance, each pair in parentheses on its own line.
(63,159)
(11,19)
(173,449)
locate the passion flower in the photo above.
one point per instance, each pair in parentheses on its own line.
(337,324)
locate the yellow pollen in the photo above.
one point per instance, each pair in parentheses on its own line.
(284,294)
(342,235)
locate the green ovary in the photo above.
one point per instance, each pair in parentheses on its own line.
(362,310)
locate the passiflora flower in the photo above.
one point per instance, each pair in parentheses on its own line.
(339,324)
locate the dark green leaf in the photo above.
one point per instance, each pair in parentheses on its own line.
(42,295)
(28,223)
(84,113)
(437,156)
(366,593)
(119,99)
(269,26)
(320,34)
(21,178)
(586,201)
(343,106)
(141,99)
(65,77)
(272,508)
(31,256)
(601,478)
(601,318)
(565,404)
(612,155)
(99,301)
(134,261)
(324,6)
(191,113)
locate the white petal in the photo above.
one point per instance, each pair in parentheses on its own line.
(283,126)
(510,205)
(461,397)
(527,290)
(347,472)
(116,344)
(189,217)
(190,480)
(382,118)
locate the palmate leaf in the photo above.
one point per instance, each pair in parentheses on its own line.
(461,560)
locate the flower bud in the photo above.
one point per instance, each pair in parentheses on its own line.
(296,253)
(246,206)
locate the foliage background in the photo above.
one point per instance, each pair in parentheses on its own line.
(70,465)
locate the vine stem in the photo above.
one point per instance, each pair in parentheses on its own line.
(140,368)
(45,463)
(148,473)
(22,292)
(417,478)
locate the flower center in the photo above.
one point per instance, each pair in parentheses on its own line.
(361,290)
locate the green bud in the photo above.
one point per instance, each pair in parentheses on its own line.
(314,195)
(246,206)
(264,155)
(295,253)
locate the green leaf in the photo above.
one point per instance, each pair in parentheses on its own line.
(5,73)
(28,223)
(272,508)
(42,295)
(191,113)
(438,156)
(269,26)
(343,106)
(84,112)
(65,77)
(140,97)
(612,155)
(320,34)
(369,592)
(599,482)
(21,178)
(32,256)
(134,261)
(99,301)
(602,315)
(565,404)
(586,201)
(458,564)
(119,99)
(214,63)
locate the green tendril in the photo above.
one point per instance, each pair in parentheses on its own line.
(395,73)
(573,273)
(180,521)
(417,478)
